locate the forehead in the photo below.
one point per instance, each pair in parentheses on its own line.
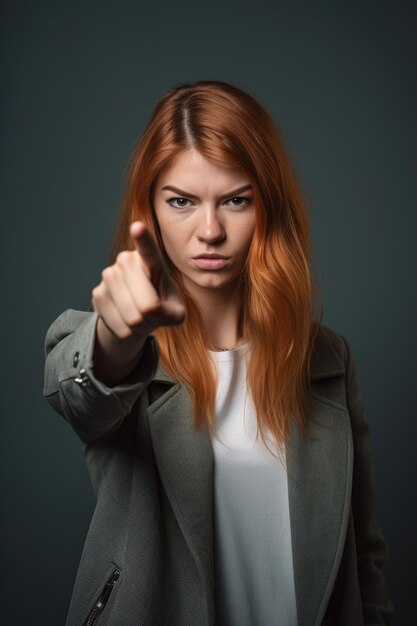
(191,171)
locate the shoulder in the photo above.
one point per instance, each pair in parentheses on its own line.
(329,353)
(79,324)
(70,319)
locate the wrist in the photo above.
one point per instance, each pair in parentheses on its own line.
(114,358)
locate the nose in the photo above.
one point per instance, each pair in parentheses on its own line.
(209,226)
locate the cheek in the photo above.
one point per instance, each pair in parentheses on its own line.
(248,232)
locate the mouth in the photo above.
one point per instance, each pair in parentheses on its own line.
(209,255)
(207,262)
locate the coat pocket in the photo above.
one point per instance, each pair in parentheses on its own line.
(103,597)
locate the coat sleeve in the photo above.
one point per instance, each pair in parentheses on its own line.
(372,550)
(92,408)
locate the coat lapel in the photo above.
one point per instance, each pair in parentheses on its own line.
(184,457)
(319,481)
(319,486)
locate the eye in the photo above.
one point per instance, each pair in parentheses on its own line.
(179,201)
(241,201)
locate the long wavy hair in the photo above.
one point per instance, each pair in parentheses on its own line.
(276,292)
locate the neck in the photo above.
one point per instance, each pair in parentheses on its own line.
(219,309)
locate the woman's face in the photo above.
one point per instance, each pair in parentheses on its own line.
(201,209)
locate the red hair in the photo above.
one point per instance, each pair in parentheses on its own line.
(232,129)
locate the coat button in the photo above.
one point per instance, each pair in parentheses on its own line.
(76,359)
(82,379)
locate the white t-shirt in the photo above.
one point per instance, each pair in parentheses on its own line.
(254,578)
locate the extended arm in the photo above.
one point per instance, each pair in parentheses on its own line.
(91,407)
(135,296)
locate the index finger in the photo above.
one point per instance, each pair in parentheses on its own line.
(148,249)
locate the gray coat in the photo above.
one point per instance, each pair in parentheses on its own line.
(148,555)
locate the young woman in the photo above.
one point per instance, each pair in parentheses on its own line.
(223,425)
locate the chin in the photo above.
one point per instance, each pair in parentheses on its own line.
(208,279)
(213,282)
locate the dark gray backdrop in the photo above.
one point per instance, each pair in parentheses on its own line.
(78,84)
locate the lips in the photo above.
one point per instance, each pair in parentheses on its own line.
(210,263)
(210,256)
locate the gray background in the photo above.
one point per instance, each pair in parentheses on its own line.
(78,84)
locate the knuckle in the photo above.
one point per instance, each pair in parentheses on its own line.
(151,308)
(107,273)
(133,318)
(124,333)
(124,257)
(98,292)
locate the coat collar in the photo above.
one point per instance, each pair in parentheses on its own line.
(325,361)
(319,481)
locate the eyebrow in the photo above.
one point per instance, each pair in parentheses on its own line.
(190,195)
